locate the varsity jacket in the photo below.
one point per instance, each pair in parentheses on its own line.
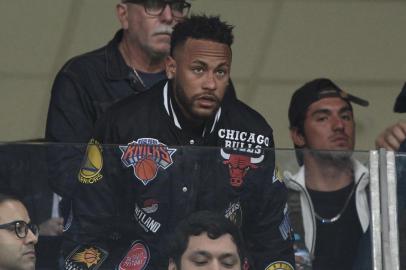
(153,173)
(303,203)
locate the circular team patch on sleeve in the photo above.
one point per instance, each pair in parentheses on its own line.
(279,265)
(90,171)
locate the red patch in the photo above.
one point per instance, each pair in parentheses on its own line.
(238,166)
(246,265)
(137,257)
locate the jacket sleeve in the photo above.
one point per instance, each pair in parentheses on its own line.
(268,234)
(96,217)
(70,110)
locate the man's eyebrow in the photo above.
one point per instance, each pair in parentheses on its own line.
(199,62)
(345,109)
(321,111)
(200,253)
(228,255)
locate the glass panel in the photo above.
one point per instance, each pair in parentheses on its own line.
(401,195)
(127,196)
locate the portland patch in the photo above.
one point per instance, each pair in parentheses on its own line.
(146,156)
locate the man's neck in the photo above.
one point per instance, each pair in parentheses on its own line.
(188,123)
(327,175)
(137,58)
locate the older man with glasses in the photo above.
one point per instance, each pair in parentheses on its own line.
(88,84)
(130,63)
(17,235)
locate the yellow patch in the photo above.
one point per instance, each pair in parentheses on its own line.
(277,175)
(279,265)
(90,257)
(90,171)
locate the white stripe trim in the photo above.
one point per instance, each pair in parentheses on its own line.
(216,119)
(175,118)
(165,93)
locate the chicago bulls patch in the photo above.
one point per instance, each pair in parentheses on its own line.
(137,257)
(146,156)
(239,165)
(85,258)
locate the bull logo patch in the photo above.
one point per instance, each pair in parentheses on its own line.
(85,258)
(137,257)
(90,171)
(239,165)
(146,156)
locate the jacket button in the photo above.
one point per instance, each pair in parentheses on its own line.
(184,189)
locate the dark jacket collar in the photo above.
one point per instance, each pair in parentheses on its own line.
(168,101)
(116,68)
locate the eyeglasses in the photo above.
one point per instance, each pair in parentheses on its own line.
(180,9)
(21,228)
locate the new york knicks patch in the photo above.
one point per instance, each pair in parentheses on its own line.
(279,265)
(137,257)
(85,257)
(90,171)
(146,156)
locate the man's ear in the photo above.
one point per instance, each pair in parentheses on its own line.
(170,67)
(122,15)
(172,265)
(297,138)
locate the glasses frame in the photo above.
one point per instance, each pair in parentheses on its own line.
(28,226)
(186,5)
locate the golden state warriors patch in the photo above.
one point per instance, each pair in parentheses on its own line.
(279,265)
(146,156)
(90,171)
(85,258)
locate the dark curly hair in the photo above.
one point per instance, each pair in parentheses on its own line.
(202,27)
(214,224)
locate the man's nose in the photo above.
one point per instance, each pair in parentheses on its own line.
(31,237)
(210,82)
(166,15)
(338,123)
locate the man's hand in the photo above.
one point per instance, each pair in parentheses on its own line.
(51,227)
(392,137)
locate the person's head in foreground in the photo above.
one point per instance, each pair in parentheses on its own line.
(17,235)
(206,240)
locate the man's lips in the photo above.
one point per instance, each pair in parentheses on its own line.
(162,34)
(340,139)
(29,253)
(207,101)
